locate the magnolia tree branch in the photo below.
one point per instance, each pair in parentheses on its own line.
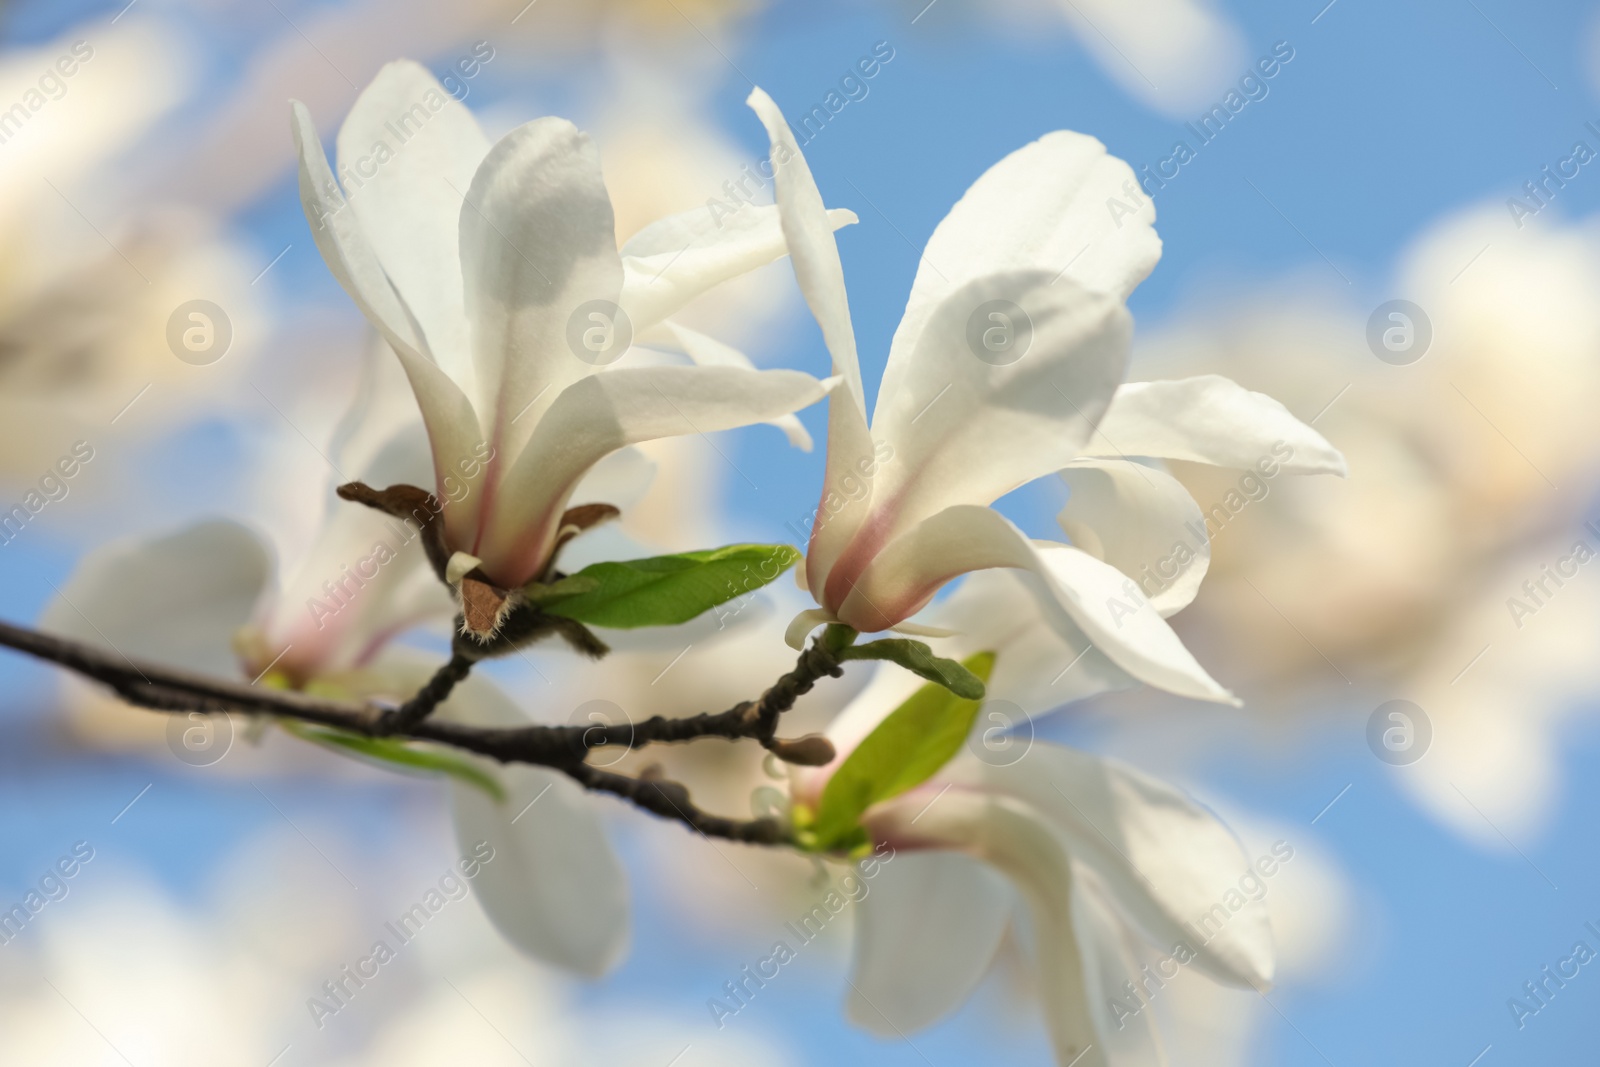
(407,716)
(756,719)
(563,748)
(670,800)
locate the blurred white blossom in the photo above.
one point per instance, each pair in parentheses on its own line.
(88,281)
(1473,469)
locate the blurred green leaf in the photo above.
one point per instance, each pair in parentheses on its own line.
(397,754)
(905,750)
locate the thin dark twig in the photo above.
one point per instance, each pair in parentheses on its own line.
(757,719)
(163,688)
(563,748)
(406,717)
(670,800)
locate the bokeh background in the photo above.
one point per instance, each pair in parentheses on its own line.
(1378,166)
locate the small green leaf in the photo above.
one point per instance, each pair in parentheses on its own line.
(399,754)
(668,590)
(545,593)
(919,659)
(905,750)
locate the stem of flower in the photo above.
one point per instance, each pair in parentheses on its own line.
(563,748)
(670,800)
(407,716)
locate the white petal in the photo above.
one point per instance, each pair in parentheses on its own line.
(619,479)
(374,564)
(801,625)
(1041,207)
(408,151)
(1209,419)
(1177,56)
(808,232)
(404,459)
(343,243)
(381,582)
(1108,607)
(709,352)
(1169,863)
(177,599)
(855,462)
(815,254)
(1143,522)
(1043,660)
(538,243)
(1080,590)
(459,566)
(673,260)
(554,887)
(380,439)
(452,424)
(600,414)
(926,933)
(965,431)
(917,629)
(1013,838)
(1109,962)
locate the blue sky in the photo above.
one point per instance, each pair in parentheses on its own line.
(1388,117)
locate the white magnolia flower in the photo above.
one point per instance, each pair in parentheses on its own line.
(360,577)
(207,598)
(493,272)
(1454,571)
(84,310)
(966,414)
(1111,865)
(1176,56)
(226,973)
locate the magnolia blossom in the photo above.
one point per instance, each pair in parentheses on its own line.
(493,272)
(232,153)
(556,890)
(1007,366)
(1126,881)
(1454,572)
(226,973)
(83,324)
(1176,56)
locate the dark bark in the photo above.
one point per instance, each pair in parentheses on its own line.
(563,748)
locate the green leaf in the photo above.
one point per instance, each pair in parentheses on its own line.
(919,659)
(538,593)
(905,750)
(399,754)
(668,590)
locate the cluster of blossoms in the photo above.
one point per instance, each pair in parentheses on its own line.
(483,267)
